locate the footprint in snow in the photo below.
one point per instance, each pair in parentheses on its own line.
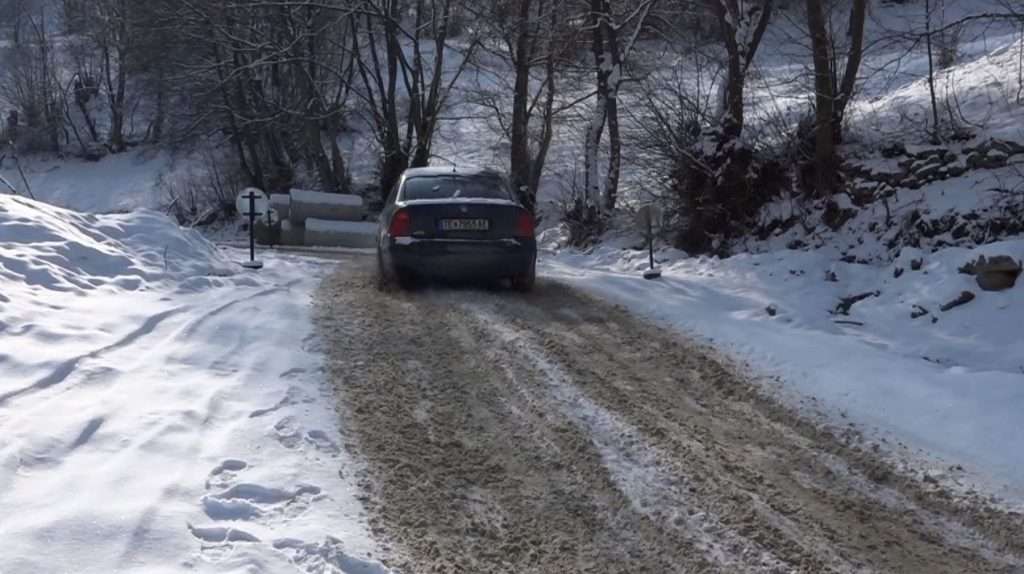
(288,432)
(292,373)
(326,556)
(293,396)
(225,473)
(221,534)
(322,442)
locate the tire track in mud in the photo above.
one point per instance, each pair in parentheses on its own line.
(556,433)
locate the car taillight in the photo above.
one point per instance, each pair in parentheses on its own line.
(524,225)
(401,224)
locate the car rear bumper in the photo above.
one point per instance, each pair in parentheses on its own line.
(462,259)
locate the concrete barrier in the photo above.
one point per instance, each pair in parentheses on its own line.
(282,203)
(357,234)
(327,206)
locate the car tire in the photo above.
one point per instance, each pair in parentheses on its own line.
(524,282)
(384,279)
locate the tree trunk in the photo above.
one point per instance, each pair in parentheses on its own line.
(519,155)
(611,187)
(936,133)
(740,51)
(823,136)
(603,65)
(858,14)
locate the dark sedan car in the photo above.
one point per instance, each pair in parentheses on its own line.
(445,223)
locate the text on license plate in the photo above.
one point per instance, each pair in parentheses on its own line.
(465,224)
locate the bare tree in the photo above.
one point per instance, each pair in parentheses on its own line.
(388,77)
(742,24)
(610,53)
(28,74)
(276,77)
(520,86)
(832,94)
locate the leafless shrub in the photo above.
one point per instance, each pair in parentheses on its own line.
(204,195)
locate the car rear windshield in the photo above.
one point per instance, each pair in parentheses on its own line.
(453,185)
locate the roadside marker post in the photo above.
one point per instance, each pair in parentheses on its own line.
(646,217)
(252,203)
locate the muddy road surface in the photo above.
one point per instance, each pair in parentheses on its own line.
(551,432)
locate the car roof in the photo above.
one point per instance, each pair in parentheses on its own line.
(449,170)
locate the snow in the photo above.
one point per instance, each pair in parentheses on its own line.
(116,183)
(952,390)
(162,410)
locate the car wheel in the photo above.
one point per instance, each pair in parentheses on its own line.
(384,279)
(523,282)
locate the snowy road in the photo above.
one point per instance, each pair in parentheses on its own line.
(556,433)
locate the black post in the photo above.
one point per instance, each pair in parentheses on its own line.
(252,226)
(650,238)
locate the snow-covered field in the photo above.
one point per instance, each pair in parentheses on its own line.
(951,390)
(160,409)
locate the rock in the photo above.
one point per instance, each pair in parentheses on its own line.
(893,150)
(993,274)
(1006,146)
(996,280)
(772,310)
(991,159)
(928,171)
(918,312)
(94,151)
(962,299)
(831,277)
(956,170)
(915,264)
(845,303)
(835,217)
(896,273)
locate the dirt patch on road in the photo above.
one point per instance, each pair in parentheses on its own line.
(556,433)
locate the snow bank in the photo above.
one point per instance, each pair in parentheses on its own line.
(160,412)
(948,383)
(60,250)
(356,234)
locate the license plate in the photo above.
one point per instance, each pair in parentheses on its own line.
(465,224)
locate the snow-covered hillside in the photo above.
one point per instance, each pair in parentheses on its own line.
(161,411)
(890,361)
(116,183)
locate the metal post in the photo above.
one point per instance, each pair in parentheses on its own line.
(651,272)
(252,227)
(650,240)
